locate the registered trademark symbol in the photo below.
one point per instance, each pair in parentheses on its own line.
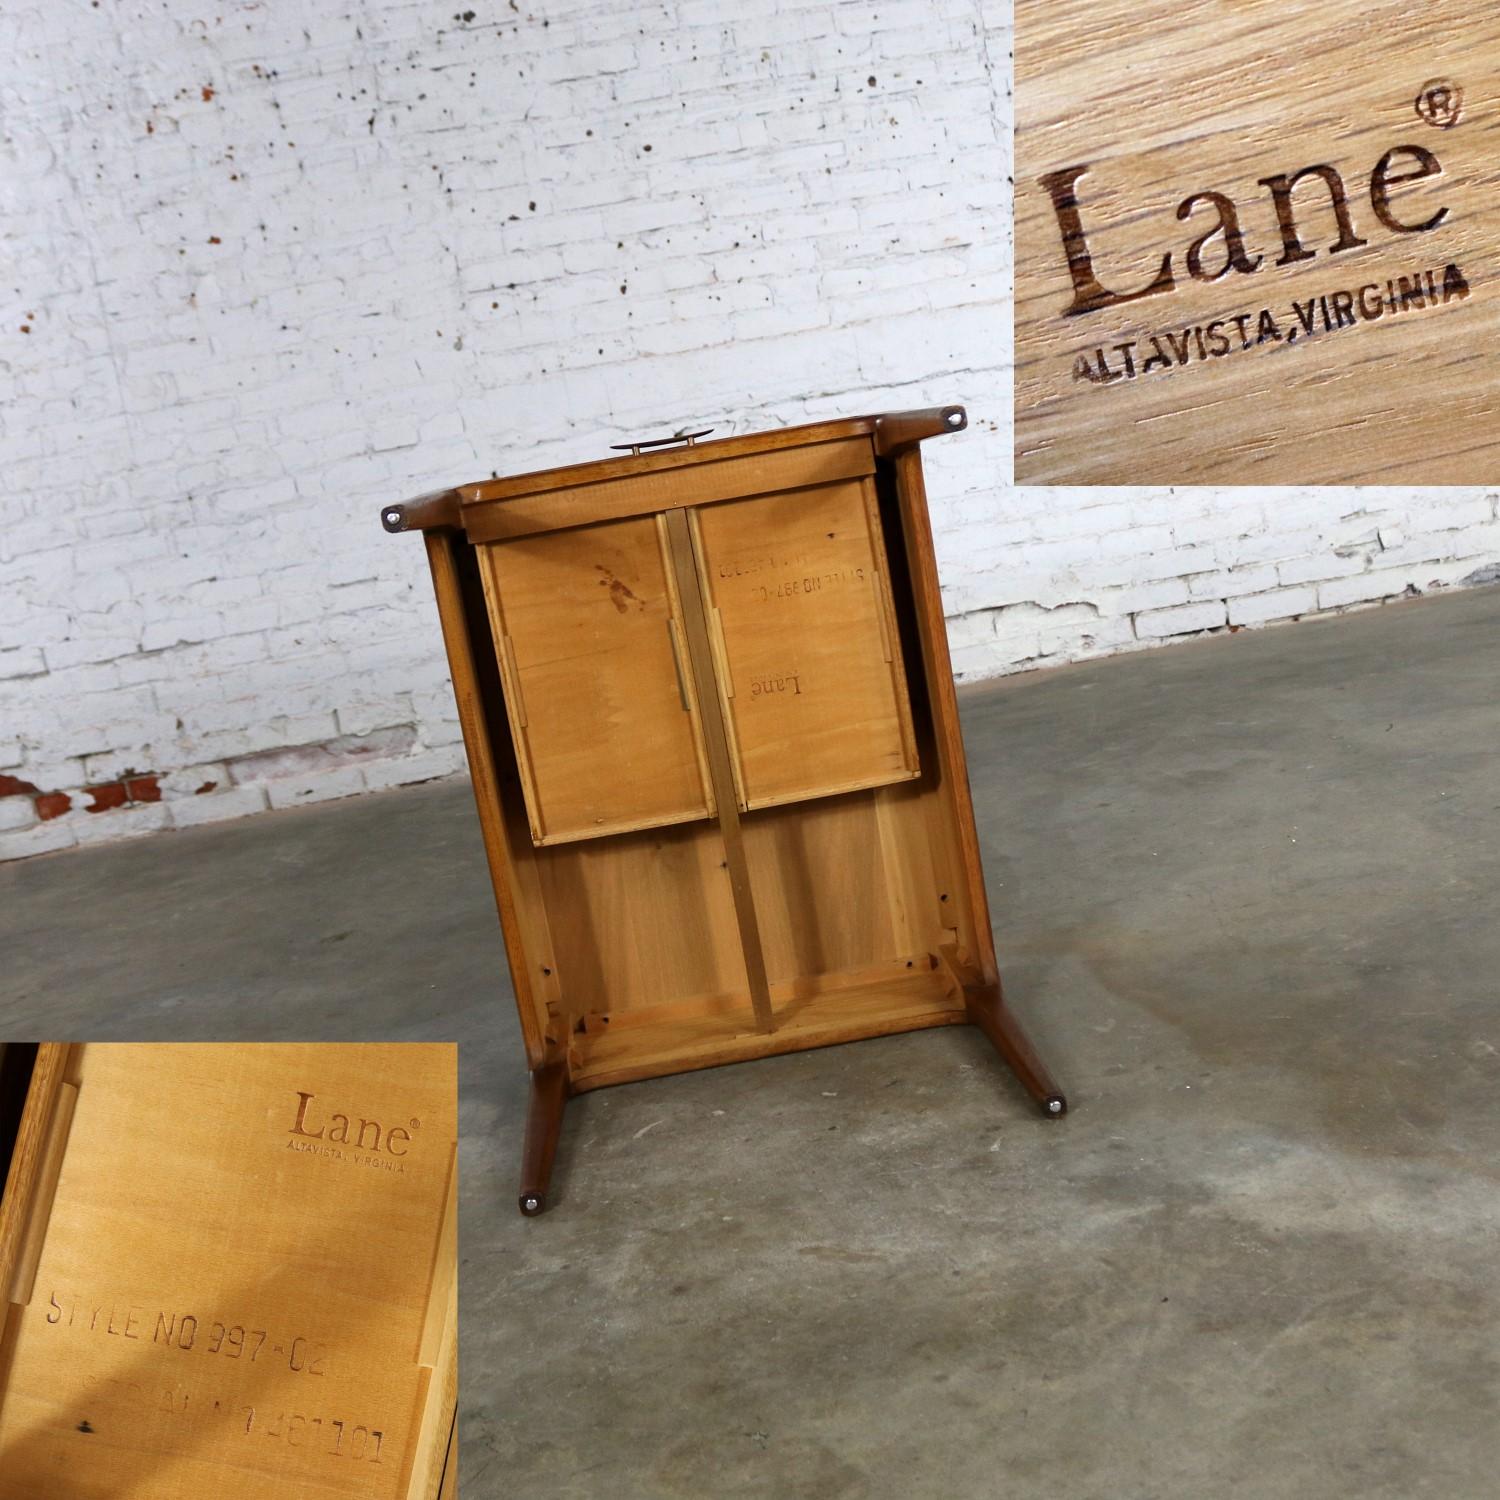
(412,1125)
(1441,103)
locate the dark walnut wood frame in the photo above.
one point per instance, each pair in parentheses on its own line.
(856,909)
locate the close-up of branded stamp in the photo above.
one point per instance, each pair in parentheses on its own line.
(1229,273)
(237,1274)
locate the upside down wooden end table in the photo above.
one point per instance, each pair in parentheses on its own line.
(709,713)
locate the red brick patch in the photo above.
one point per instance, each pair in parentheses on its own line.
(207,786)
(13,786)
(143,789)
(52,804)
(105,798)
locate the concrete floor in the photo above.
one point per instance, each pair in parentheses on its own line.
(1245,896)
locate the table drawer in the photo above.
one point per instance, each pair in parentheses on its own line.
(808,655)
(588,631)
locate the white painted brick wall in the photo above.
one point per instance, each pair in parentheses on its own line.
(269,266)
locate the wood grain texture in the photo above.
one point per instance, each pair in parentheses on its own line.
(641,918)
(807,441)
(544,1114)
(954,838)
(514,873)
(604,721)
(44,1188)
(29,1159)
(449,1490)
(810,677)
(846,882)
(721,770)
(840,892)
(821,1016)
(766,609)
(1194,119)
(704,479)
(234,1293)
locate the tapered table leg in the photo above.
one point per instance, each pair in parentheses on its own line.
(544,1114)
(989,1012)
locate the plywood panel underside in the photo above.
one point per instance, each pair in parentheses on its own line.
(705,1034)
(852,908)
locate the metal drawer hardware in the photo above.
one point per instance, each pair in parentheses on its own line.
(687,438)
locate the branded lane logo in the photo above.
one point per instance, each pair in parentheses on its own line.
(1400,166)
(1167,349)
(1441,103)
(1222,249)
(314,1123)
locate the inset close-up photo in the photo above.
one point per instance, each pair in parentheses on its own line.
(229,1270)
(1255,241)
